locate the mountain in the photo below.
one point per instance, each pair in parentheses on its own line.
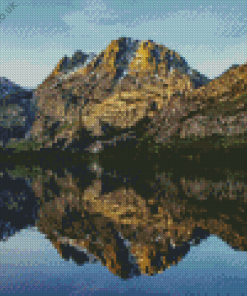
(17,110)
(72,100)
(139,89)
(210,117)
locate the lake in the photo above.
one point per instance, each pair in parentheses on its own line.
(113,225)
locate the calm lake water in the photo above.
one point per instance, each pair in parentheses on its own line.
(132,227)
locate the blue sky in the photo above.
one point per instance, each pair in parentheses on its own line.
(210,35)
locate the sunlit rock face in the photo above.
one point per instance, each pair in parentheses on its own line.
(133,229)
(116,88)
(17,111)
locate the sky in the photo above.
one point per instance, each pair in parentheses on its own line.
(36,34)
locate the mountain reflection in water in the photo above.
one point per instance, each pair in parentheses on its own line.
(135,218)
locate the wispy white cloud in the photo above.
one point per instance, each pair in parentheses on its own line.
(97,10)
